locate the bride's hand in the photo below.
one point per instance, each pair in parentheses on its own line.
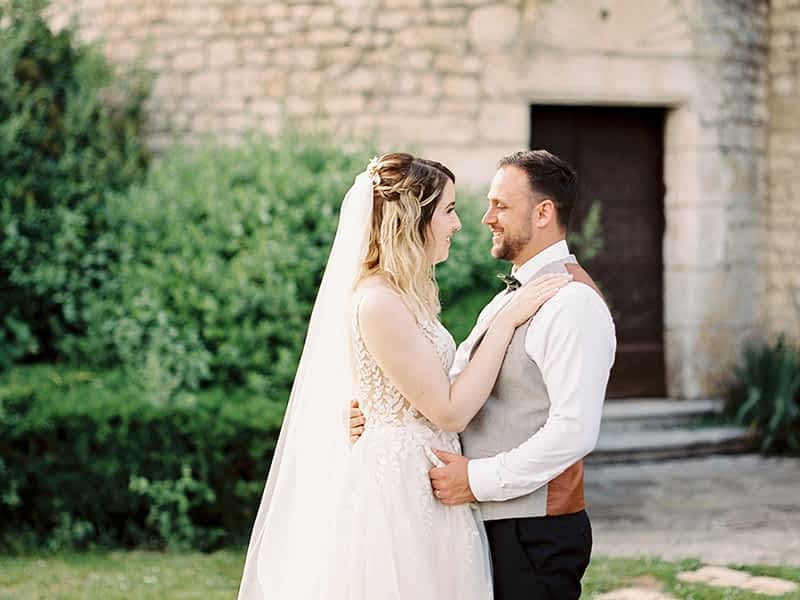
(528,299)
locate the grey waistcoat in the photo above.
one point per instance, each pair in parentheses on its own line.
(516,409)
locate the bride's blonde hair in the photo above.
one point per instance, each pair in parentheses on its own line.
(406,190)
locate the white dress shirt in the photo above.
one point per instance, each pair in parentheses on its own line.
(572,341)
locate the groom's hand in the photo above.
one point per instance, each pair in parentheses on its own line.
(356,422)
(450,483)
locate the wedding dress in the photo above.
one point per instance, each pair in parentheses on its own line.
(397,541)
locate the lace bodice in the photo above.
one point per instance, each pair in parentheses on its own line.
(380,401)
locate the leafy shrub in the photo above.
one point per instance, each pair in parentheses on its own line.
(63,146)
(765,395)
(85,460)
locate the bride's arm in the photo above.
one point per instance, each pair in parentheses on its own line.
(409,360)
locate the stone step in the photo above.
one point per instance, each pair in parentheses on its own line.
(663,444)
(657,413)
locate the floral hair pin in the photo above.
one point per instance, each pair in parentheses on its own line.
(373,171)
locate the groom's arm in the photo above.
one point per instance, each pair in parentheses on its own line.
(572,341)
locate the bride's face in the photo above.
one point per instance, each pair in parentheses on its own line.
(443,224)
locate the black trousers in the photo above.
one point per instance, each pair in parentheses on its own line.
(540,558)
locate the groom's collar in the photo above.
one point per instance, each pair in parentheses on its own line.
(551,254)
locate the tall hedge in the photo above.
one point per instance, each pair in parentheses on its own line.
(86,459)
(64,145)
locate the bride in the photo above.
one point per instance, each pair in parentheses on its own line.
(342,522)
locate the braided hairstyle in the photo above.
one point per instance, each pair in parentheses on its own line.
(406,190)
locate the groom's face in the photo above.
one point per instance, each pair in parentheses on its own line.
(510,212)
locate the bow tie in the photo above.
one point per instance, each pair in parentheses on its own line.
(512,283)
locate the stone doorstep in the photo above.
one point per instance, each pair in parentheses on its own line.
(724,577)
(661,444)
(622,416)
(658,408)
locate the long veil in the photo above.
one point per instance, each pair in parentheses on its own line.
(298,506)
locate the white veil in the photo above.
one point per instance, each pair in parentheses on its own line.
(298,507)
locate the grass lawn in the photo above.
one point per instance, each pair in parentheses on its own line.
(136,575)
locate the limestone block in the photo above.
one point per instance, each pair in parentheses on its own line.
(502,75)
(448,16)
(699,359)
(431,84)
(244,82)
(354,18)
(237,122)
(695,237)
(265,107)
(682,179)
(505,122)
(451,39)
(359,80)
(467,108)
(297,58)
(180,121)
(276,83)
(474,166)
(188,61)
(462,64)
(713,297)
(207,123)
(342,104)
(454,129)
(393,19)
(276,10)
(460,87)
(371,39)
(404,3)
(413,104)
(285,27)
(419,59)
(493,27)
(168,85)
(305,82)
(339,60)
(680,128)
(208,83)
(125,52)
(300,106)
(322,16)
(438,3)
(256,57)
(221,53)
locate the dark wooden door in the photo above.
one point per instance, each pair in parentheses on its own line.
(619,155)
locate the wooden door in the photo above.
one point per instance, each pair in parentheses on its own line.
(618,153)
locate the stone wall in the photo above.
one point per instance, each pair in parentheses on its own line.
(455,79)
(714,248)
(783,225)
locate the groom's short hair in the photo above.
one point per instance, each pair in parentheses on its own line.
(550,177)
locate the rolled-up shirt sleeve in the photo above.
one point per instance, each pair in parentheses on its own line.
(572,341)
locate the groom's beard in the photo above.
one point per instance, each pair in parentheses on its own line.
(513,244)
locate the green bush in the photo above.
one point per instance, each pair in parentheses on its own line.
(765,395)
(85,459)
(63,146)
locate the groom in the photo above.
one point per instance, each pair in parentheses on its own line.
(523,451)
